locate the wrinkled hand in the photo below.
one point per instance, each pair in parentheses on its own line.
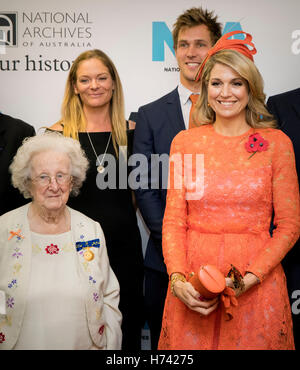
(191,298)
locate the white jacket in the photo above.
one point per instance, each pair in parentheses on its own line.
(103,316)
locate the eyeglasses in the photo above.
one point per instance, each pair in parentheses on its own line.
(45,180)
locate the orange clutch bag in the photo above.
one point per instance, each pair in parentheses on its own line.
(208,281)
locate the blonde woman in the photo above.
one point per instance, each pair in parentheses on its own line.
(223,217)
(93,113)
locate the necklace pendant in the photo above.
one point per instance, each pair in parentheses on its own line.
(100,169)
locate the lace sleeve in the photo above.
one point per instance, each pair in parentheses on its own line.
(285,191)
(175,218)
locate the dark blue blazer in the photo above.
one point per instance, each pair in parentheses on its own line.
(286,109)
(157,124)
(12,133)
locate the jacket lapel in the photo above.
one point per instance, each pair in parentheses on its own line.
(2,140)
(174,112)
(296,109)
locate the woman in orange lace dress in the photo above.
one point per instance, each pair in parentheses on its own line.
(243,170)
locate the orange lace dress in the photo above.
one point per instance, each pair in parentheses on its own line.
(221,215)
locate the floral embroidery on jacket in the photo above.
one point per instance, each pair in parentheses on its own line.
(17,253)
(16,268)
(36,249)
(16,233)
(101,329)
(2,338)
(52,249)
(67,248)
(10,302)
(13,284)
(92,280)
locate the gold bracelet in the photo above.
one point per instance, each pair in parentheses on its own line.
(237,278)
(175,277)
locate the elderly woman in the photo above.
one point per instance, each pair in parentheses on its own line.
(57,288)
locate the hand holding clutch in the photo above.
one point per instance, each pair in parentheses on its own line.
(185,291)
(210,283)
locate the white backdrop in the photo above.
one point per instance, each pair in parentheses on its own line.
(123,29)
(48,35)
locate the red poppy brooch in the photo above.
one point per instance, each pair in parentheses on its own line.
(256,143)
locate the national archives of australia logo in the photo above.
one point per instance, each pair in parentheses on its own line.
(8,28)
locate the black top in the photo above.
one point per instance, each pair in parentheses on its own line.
(12,132)
(114,210)
(111,207)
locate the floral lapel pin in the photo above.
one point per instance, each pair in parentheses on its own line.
(256,143)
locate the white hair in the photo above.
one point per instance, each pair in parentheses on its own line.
(50,140)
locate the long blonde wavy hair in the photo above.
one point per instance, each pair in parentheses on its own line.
(257,115)
(73,117)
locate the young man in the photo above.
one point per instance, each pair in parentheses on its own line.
(12,132)
(194,33)
(286,109)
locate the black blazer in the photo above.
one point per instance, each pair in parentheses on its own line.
(12,133)
(157,124)
(286,109)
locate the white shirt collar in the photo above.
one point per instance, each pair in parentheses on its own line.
(184,93)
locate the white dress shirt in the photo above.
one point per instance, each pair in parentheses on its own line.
(185,103)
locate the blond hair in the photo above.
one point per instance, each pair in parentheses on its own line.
(257,115)
(73,117)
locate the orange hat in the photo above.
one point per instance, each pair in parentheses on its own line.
(232,44)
